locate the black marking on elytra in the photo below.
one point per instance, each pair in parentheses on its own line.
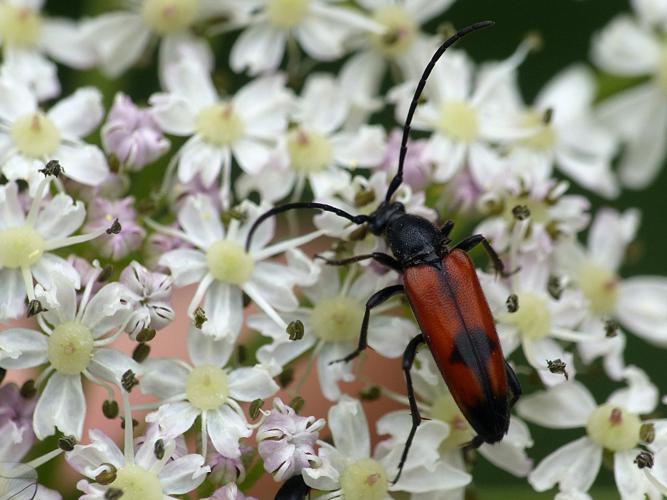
(469,346)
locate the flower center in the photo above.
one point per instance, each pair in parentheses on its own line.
(137,483)
(169,16)
(444,408)
(400,30)
(219,124)
(35,135)
(20,247)
(600,286)
(229,263)
(337,319)
(70,348)
(532,319)
(364,479)
(19,26)
(662,70)
(539,211)
(459,121)
(206,387)
(309,151)
(545,135)
(614,428)
(287,13)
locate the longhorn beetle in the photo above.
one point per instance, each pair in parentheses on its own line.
(445,296)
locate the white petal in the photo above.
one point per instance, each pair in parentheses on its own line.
(22,348)
(331,374)
(537,353)
(640,397)
(183,45)
(59,217)
(226,427)
(174,418)
(84,163)
(51,265)
(183,474)
(163,378)
(630,480)
(62,40)
(15,101)
(508,456)
(86,458)
(199,157)
(174,114)
(365,147)
(569,94)
(389,335)
(200,220)
(322,105)
(61,405)
(610,234)
(12,293)
(250,383)
(438,478)
(224,310)
(275,282)
(189,80)
(322,39)
(32,70)
(573,466)
(79,114)
(326,477)
(207,349)
(252,155)
(107,309)
(258,49)
(187,266)
(11,211)
(561,407)
(110,364)
(349,428)
(641,307)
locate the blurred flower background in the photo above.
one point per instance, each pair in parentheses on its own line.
(144,351)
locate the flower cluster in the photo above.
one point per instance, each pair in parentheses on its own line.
(107,216)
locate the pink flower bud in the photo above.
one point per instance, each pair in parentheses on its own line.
(102,214)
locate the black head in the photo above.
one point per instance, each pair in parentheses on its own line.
(378,220)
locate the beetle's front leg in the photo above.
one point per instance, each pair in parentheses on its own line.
(376,299)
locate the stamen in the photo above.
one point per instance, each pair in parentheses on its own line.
(170,231)
(128,445)
(204,284)
(73,240)
(28,282)
(36,462)
(257,298)
(102,383)
(278,248)
(37,200)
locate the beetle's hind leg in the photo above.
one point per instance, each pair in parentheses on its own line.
(408,360)
(472,241)
(514,384)
(382,258)
(376,299)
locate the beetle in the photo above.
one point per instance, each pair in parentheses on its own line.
(445,295)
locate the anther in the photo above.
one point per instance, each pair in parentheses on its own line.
(286,377)
(548,116)
(129,380)
(364,197)
(105,274)
(647,432)
(113,494)
(67,443)
(644,459)
(28,389)
(371,393)
(295,330)
(512,303)
(141,352)
(611,328)
(3,372)
(554,287)
(146,335)
(199,318)
(521,212)
(158,449)
(297,404)
(34,308)
(255,408)
(135,422)
(107,476)
(110,409)
(558,366)
(115,227)
(53,168)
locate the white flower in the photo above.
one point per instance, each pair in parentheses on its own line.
(540,319)
(332,323)
(27,242)
(637,302)
(316,149)
(140,473)
(207,390)
(244,126)
(224,270)
(614,426)
(121,37)
(26,37)
(73,344)
(464,114)
(29,136)
(349,471)
(151,294)
(564,131)
(320,26)
(629,47)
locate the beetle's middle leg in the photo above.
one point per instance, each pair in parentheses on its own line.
(382,258)
(472,241)
(408,360)
(376,299)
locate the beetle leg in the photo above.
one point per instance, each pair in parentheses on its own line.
(382,258)
(293,489)
(447,228)
(408,361)
(376,299)
(514,384)
(472,241)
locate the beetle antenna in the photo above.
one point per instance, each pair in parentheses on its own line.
(398,178)
(356,219)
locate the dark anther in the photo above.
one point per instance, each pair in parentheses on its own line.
(35,307)
(297,404)
(141,352)
(106,273)
(110,409)
(548,116)
(363,198)
(286,377)
(512,303)
(233,214)
(295,330)
(200,318)
(66,443)
(242,353)
(255,406)
(644,459)
(558,366)
(122,422)
(647,432)
(611,328)
(158,449)
(107,476)
(113,494)
(28,389)
(521,212)
(129,380)
(52,168)
(115,227)
(146,335)
(371,393)
(554,287)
